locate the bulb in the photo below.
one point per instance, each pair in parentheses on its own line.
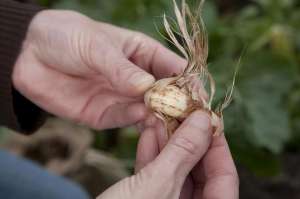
(169,100)
(174,104)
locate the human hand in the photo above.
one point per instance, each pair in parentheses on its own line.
(191,165)
(87,71)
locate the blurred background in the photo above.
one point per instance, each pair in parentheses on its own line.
(262,124)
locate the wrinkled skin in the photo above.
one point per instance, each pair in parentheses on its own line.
(191,165)
(96,74)
(87,71)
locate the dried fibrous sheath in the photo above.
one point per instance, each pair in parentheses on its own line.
(169,100)
(173,99)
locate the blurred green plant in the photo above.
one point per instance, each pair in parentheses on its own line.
(259,123)
(264,117)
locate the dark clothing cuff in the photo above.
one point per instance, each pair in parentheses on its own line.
(16,112)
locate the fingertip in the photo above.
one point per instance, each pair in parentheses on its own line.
(189,143)
(166,63)
(121,115)
(137,111)
(199,119)
(147,149)
(219,141)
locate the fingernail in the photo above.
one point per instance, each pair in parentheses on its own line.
(142,81)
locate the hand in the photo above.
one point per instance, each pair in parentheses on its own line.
(87,71)
(191,165)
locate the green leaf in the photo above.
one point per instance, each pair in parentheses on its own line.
(269,122)
(263,96)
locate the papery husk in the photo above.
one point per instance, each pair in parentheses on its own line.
(188,34)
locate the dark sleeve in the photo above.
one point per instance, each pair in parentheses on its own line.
(16,112)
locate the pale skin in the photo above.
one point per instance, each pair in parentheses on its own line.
(96,74)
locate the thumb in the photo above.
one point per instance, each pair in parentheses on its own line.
(129,79)
(186,147)
(126,77)
(164,177)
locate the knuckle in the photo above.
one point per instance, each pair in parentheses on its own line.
(144,42)
(145,48)
(134,74)
(231,176)
(88,52)
(121,69)
(185,144)
(140,37)
(124,70)
(87,48)
(81,44)
(21,77)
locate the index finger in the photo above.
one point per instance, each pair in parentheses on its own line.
(166,63)
(217,173)
(154,57)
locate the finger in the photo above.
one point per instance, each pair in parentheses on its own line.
(151,120)
(161,134)
(159,129)
(128,78)
(147,149)
(166,63)
(187,189)
(120,115)
(66,101)
(221,178)
(186,147)
(125,77)
(154,57)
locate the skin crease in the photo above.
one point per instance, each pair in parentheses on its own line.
(96,74)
